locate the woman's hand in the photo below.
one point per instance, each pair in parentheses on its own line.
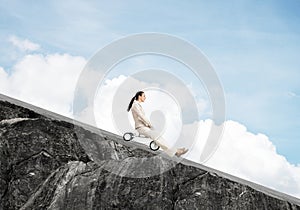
(151,126)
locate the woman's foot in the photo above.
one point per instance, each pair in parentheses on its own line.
(181,151)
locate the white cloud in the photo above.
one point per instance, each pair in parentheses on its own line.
(23,44)
(104,104)
(292,94)
(46,81)
(250,156)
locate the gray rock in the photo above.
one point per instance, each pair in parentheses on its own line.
(45,165)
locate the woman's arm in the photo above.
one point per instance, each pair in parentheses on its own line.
(137,110)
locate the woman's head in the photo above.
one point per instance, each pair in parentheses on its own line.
(139,96)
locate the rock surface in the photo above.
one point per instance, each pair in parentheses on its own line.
(43,165)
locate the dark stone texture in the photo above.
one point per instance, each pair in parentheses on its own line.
(44,166)
(9,111)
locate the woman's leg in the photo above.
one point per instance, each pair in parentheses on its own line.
(157,138)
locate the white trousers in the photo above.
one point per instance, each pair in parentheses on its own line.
(157,138)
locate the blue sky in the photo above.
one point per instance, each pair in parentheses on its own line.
(253,45)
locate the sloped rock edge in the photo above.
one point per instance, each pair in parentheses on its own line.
(178,187)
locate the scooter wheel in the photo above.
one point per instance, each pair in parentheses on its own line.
(128,136)
(154,146)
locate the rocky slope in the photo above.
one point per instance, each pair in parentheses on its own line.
(43,165)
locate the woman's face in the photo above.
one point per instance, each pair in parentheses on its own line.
(143,97)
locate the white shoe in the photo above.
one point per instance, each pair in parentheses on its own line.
(181,151)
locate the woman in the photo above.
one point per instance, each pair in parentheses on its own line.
(144,127)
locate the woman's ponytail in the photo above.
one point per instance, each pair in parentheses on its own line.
(130,104)
(136,97)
